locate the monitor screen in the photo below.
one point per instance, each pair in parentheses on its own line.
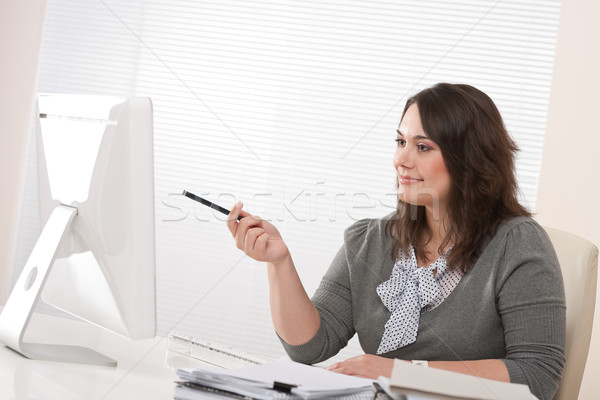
(95,256)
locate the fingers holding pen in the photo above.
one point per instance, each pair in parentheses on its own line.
(245,231)
(250,233)
(256,237)
(232,218)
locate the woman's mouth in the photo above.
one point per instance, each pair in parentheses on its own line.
(408,180)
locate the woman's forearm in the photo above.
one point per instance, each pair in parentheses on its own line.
(295,318)
(489,369)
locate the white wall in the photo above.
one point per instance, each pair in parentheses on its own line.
(21,24)
(569,190)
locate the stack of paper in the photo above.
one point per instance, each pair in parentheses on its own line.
(281,379)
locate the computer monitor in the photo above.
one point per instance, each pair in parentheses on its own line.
(95,256)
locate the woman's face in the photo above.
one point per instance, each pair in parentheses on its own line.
(422,175)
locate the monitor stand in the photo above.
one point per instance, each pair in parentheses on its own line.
(26,293)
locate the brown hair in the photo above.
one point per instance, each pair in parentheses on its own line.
(479,155)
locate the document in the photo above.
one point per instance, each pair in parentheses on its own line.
(281,379)
(413,382)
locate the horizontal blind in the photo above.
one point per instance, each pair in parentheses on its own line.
(291,107)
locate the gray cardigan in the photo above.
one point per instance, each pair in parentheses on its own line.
(510,305)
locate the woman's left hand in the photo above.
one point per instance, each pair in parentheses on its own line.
(365,366)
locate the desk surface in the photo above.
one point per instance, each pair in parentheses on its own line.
(146,369)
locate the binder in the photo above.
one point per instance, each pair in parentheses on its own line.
(411,381)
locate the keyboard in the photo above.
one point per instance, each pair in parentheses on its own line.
(210,352)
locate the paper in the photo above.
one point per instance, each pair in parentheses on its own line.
(418,382)
(257,381)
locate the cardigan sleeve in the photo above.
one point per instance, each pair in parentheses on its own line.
(333,300)
(531,304)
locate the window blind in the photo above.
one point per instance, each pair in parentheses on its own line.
(291,107)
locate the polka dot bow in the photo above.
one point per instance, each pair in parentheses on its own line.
(405,294)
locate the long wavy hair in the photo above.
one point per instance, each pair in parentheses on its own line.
(479,156)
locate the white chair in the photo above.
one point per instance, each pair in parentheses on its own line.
(579,262)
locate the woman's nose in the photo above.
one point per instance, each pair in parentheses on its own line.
(402,158)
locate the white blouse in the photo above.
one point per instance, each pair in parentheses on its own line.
(409,292)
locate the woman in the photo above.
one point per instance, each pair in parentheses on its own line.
(459,275)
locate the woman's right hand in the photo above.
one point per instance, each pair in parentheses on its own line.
(257,238)
(295,318)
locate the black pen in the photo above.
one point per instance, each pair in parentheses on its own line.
(208,203)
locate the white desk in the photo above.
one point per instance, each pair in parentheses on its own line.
(146,369)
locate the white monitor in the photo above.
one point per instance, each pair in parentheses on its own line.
(95,256)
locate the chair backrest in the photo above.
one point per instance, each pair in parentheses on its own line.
(579,263)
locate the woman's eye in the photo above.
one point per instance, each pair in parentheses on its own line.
(423,147)
(401,142)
